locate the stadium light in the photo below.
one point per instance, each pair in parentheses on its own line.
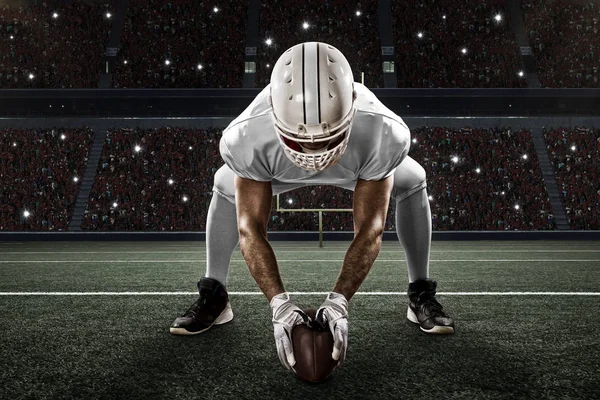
(26,213)
(12,37)
(498,17)
(443,16)
(464,50)
(290,201)
(55,15)
(305,25)
(454,159)
(524,156)
(200,67)
(517,207)
(137,148)
(190,147)
(269,41)
(75,179)
(420,35)
(115,204)
(430,197)
(63,137)
(185,198)
(216,9)
(502,193)
(31,76)
(14,144)
(358,13)
(124,61)
(521,73)
(167,62)
(108,15)
(573,148)
(478,170)
(170,181)
(414,140)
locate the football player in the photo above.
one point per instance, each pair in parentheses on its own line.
(313,125)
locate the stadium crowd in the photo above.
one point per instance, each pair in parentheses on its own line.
(38,50)
(182,44)
(154,180)
(161,179)
(38,168)
(445,43)
(575,155)
(565,39)
(352,28)
(482,179)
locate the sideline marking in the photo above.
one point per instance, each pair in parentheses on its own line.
(304,251)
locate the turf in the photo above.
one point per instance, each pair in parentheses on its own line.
(119,347)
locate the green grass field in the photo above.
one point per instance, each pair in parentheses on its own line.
(526,315)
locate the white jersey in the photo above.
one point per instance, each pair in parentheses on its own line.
(379,141)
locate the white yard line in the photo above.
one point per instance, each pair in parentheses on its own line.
(293,260)
(296,293)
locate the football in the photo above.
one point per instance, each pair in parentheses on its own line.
(313,345)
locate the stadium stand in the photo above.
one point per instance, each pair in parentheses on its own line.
(163,185)
(478,190)
(54,44)
(38,171)
(560,60)
(431,35)
(352,28)
(182,44)
(575,156)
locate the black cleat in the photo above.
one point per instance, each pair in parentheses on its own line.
(424,309)
(212,308)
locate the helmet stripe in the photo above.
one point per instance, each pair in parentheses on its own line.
(303,85)
(318,82)
(311,75)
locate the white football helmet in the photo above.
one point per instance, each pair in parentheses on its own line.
(312,96)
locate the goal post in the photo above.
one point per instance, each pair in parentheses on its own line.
(320,212)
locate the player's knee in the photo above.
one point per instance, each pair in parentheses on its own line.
(408,181)
(224,183)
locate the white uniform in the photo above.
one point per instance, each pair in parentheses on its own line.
(379,141)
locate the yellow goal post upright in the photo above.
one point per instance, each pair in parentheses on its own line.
(320,211)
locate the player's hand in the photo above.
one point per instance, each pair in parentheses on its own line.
(334,312)
(285,316)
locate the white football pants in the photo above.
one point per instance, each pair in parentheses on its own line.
(413,219)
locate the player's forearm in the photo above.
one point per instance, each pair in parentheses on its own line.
(262,263)
(357,263)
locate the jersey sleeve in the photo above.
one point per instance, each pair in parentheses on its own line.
(387,153)
(246,162)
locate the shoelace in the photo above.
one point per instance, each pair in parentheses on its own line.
(435,308)
(193,310)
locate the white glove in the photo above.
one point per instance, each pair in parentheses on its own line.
(285,316)
(334,312)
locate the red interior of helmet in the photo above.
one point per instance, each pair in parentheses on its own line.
(295,146)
